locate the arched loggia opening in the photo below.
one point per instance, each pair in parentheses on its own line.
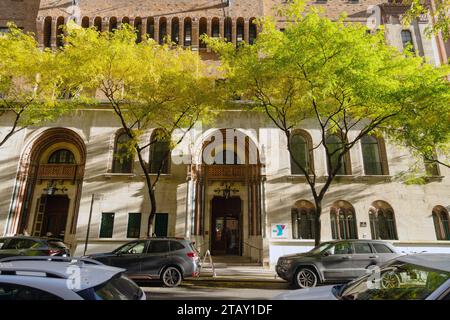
(226,173)
(48,189)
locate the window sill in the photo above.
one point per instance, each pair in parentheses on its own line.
(110,175)
(434,178)
(369,178)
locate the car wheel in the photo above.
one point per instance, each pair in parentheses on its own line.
(390,280)
(171,277)
(305,278)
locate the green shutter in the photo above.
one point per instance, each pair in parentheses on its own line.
(134,225)
(107,225)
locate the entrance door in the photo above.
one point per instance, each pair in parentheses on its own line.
(55,216)
(226,226)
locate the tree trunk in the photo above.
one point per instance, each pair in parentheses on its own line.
(151,193)
(317,222)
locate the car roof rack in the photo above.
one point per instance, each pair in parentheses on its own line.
(73,260)
(32,273)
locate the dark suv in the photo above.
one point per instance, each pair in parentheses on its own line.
(167,259)
(32,246)
(334,261)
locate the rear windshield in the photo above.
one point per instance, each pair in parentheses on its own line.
(117,288)
(57,244)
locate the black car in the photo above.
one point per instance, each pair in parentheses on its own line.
(334,262)
(32,246)
(167,259)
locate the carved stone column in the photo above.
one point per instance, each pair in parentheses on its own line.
(221,27)
(195,35)
(40,31)
(246,30)
(105,24)
(233,31)
(208,31)
(181,32)
(156,27)
(54,32)
(144,27)
(169,28)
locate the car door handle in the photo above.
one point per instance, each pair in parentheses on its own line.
(373,257)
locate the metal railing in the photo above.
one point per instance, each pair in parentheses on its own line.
(251,247)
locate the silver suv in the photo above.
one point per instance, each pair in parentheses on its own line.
(167,259)
(334,261)
(58,278)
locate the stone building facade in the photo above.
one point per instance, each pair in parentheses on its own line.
(64,177)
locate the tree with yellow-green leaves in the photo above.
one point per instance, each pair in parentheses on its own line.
(346,81)
(30,83)
(439,11)
(147,85)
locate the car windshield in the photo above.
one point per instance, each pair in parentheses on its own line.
(398,281)
(320,248)
(117,288)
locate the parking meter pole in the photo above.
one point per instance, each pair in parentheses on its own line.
(88,226)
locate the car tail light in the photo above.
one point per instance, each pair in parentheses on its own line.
(192,255)
(52,252)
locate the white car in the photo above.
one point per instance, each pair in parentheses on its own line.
(59,278)
(409,277)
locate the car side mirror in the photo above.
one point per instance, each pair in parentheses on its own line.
(326,253)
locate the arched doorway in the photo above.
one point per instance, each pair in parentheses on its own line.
(227,193)
(48,185)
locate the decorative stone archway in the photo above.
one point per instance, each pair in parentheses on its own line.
(238,178)
(33,174)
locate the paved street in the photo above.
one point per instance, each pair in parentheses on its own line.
(216,290)
(184,293)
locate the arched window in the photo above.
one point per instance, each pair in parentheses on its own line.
(187,32)
(228,29)
(343,221)
(239,31)
(374,156)
(203,29)
(335,143)
(175,36)
(85,22)
(151,27)
(215,28)
(47,32)
(62,156)
(60,32)
(303,215)
(407,40)
(125,20)
(112,24)
(162,29)
(159,153)
(122,160)
(382,221)
(227,157)
(98,23)
(441,223)
(301,146)
(138,27)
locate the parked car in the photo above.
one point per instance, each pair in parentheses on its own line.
(32,246)
(167,259)
(334,261)
(61,278)
(423,276)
